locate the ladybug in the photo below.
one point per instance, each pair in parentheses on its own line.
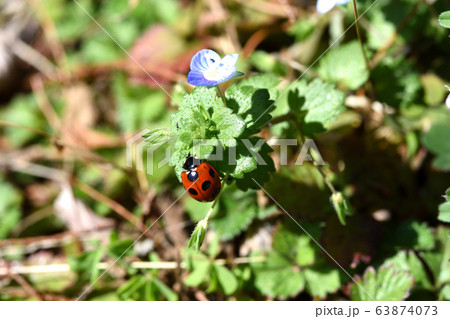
(200,180)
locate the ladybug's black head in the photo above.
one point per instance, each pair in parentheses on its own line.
(191,162)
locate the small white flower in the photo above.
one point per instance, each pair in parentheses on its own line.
(323,6)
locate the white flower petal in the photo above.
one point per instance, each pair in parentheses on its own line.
(203,59)
(230,59)
(323,6)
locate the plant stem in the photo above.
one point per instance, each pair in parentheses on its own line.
(280,119)
(221,95)
(359,35)
(208,215)
(325,178)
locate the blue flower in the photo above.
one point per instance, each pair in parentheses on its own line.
(208,69)
(323,6)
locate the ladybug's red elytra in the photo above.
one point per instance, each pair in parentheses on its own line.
(201,180)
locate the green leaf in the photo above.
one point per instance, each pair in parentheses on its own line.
(86,264)
(316,105)
(252,104)
(277,278)
(202,116)
(403,88)
(434,89)
(69,24)
(444,212)
(291,242)
(408,261)
(344,65)
(131,287)
(138,107)
(228,125)
(263,81)
(412,234)
(242,163)
(436,140)
(236,212)
(199,266)
(165,290)
(444,19)
(342,206)
(226,279)
(10,208)
(23,110)
(322,280)
(266,62)
(437,259)
(388,284)
(117,248)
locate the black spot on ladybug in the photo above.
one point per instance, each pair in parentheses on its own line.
(192,176)
(211,173)
(206,185)
(216,192)
(193,191)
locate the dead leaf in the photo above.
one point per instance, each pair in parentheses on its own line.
(76,215)
(80,115)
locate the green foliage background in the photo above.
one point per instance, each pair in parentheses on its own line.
(383,134)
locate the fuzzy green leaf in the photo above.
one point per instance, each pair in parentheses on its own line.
(236,212)
(250,103)
(322,280)
(315,104)
(388,284)
(344,65)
